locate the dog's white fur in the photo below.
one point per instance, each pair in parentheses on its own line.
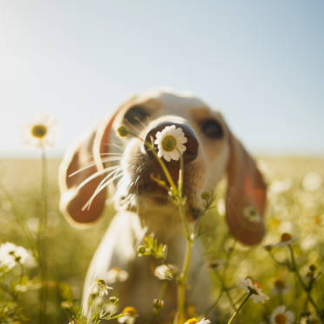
(137,213)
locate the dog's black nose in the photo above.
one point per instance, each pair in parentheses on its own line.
(191,145)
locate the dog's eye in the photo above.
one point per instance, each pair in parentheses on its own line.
(211,128)
(135,115)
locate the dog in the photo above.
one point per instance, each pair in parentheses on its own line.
(102,159)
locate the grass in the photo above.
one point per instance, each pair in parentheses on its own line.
(293,207)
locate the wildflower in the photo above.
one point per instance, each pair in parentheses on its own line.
(11,254)
(312,181)
(253,287)
(116,274)
(158,303)
(251,214)
(166,272)
(40,131)
(122,131)
(286,239)
(151,246)
(268,247)
(282,316)
(114,300)
(194,320)
(170,143)
(100,288)
(130,314)
(279,287)
(280,186)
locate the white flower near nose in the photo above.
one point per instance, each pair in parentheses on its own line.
(170,142)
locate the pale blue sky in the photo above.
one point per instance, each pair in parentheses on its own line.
(260,62)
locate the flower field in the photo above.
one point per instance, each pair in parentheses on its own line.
(287,267)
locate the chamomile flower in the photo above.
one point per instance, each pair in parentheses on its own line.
(130,314)
(166,272)
(253,287)
(251,214)
(116,274)
(100,288)
(194,320)
(282,316)
(286,239)
(11,254)
(170,142)
(40,131)
(280,287)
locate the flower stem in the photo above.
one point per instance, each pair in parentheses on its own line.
(305,288)
(190,240)
(42,242)
(239,308)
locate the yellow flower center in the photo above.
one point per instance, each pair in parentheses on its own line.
(130,311)
(281,319)
(285,237)
(169,143)
(101,282)
(257,283)
(39,131)
(192,321)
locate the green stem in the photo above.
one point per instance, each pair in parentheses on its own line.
(42,242)
(225,289)
(300,279)
(21,222)
(240,307)
(182,283)
(212,306)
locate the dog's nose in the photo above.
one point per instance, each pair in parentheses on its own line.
(191,145)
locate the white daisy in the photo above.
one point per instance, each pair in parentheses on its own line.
(282,316)
(170,143)
(40,131)
(280,287)
(286,239)
(166,272)
(11,254)
(116,274)
(100,288)
(312,181)
(251,214)
(253,287)
(130,315)
(196,321)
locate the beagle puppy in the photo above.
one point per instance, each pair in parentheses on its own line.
(103,164)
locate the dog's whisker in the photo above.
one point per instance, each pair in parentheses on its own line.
(103,184)
(112,159)
(97,174)
(111,154)
(144,123)
(136,128)
(118,146)
(107,177)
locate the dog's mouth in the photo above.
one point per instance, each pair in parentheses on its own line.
(144,188)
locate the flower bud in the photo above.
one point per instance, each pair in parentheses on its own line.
(122,131)
(158,303)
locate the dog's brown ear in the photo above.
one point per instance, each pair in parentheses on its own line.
(246,195)
(80,175)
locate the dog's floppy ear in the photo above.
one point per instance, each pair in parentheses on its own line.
(80,162)
(246,195)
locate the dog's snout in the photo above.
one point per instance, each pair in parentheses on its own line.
(191,145)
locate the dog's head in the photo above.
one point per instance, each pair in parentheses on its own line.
(102,157)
